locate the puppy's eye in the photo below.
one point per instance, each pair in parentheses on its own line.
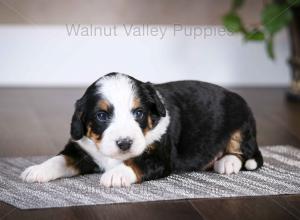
(138,114)
(102,116)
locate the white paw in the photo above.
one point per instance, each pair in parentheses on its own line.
(228,164)
(51,169)
(120,176)
(36,173)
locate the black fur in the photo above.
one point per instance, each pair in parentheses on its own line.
(156,105)
(203,118)
(77,126)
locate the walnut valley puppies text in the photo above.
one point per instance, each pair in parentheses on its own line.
(145,30)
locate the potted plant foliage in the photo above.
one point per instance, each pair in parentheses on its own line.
(275,16)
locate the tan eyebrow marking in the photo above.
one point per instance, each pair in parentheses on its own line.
(136,103)
(103,105)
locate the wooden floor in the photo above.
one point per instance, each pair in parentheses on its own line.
(36,122)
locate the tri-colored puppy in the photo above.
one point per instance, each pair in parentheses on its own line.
(134,131)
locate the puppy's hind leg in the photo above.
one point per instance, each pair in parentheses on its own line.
(53,168)
(241,153)
(231,162)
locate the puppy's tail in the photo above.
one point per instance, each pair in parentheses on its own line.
(255,162)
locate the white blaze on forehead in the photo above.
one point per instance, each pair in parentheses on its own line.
(118,90)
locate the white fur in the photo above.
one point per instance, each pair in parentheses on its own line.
(251,164)
(119,91)
(156,133)
(228,164)
(102,161)
(119,176)
(160,129)
(51,169)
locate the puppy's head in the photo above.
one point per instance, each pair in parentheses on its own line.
(116,112)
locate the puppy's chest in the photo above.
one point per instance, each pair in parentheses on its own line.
(104,163)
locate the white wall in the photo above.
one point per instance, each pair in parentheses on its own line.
(48,56)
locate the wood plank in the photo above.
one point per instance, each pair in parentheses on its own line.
(151,210)
(242,208)
(290,203)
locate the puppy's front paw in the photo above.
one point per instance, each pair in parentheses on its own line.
(55,167)
(228,164)
(36,173)
(120,176)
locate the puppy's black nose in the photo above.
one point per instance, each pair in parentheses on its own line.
(124,144)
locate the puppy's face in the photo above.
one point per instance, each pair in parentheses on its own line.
(116,112)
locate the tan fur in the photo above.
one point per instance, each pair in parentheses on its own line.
(103,105)
(149,125)
(71,163)
(136,103)
(150,148)
(94,137)
(135,169)
(234,144)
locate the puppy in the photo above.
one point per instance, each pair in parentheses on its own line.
(133,131)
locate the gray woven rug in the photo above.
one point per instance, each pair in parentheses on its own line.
(280,175)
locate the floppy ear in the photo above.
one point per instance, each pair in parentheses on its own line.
(77,125)
(157,105)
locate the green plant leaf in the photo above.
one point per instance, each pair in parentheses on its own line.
(232,22)
(255,35)
(238,3)
(293,2)
(270,48)
(274,17)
